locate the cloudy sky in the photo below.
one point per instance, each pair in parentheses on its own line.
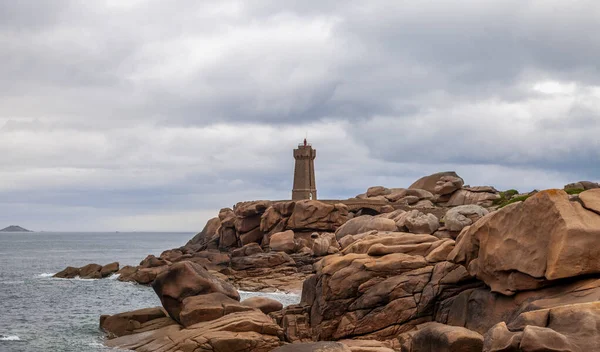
(152,115)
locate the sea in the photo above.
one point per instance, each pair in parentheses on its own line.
(42,313)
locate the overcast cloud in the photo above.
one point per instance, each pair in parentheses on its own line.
(152,115)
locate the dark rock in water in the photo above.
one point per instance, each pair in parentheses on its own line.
(109,269)
(14,228)
(90,271)
(69,272)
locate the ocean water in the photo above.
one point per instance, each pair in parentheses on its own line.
(41,313)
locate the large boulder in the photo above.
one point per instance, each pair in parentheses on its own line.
(208,232)
(196,309)
(275,214)
(283,242)
(109,269)
(228,237)
(248,331)
(265,304)
(526,244)
(585,185)
(315,215)
(251,208)
(459,217)
(365,223)
(186,279)
(436,337)
(133,322)
(417,222)
(90,271)
(446,182)
(377,191)
(69,272)
(564,328)
(464,197)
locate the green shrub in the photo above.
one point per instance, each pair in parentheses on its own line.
(505,196)
(514,200)
(574,190)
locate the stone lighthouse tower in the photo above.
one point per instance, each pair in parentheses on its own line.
(304,172)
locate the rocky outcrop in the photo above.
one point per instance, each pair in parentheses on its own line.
(248,331)
(283,242)
(382,285)
(363,224)
(440,183)
(315,215)
(554,329)
(415,221)
(582,185)
(527,244)
(135,322)
(90,271)
(266,305)
(206,307)
(208,233)
(458,218)
(466,196)
(436,337)
(186,279)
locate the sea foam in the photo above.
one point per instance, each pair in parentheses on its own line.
(46,275)
(9,338)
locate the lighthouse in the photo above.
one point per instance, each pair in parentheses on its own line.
(304,172)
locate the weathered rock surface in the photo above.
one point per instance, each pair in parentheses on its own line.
(210,230)
(315,215)
(249,331)
(436,337)
(585,185)
(90,271)
(363,224)
(565,328)
(206,307)
(186,279)
(458,218)
(266,305)
(417,222)
(134,322)
(283,242)
(323,346)
(524,245)
(464,197)
(381,286)
(444,181)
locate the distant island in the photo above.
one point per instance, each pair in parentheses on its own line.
(14,228)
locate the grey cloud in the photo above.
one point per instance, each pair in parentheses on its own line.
(137,109)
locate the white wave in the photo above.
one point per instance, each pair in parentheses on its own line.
(80,279)
(9,338)
(114,276)
(12,282)
(46,274)
(285,298)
